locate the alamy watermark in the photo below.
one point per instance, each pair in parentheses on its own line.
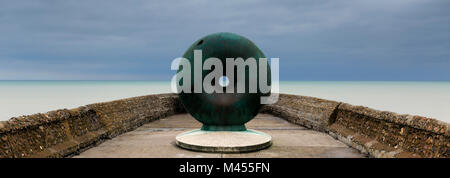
(215,81)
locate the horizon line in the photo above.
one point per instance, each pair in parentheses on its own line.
(280,80)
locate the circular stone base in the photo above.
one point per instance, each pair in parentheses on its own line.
(224,141)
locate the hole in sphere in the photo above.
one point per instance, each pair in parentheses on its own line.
(223,81)
(200,42)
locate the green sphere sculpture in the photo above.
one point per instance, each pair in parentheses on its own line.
(224,111)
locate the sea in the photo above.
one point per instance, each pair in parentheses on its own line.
(430,99)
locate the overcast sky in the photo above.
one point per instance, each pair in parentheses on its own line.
(137,40)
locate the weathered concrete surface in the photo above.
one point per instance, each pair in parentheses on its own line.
(156,139)
(223,141)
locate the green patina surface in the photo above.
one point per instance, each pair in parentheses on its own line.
(223,111)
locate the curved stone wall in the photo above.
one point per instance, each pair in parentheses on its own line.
(377,133)
(63,133)
(313,113)
(387,134)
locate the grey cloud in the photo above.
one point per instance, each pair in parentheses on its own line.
(105,37)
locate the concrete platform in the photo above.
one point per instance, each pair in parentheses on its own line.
(223,141)
(157,140)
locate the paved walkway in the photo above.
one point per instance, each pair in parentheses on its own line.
(156,139)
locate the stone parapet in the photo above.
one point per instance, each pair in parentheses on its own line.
(65,132)
(377,133)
